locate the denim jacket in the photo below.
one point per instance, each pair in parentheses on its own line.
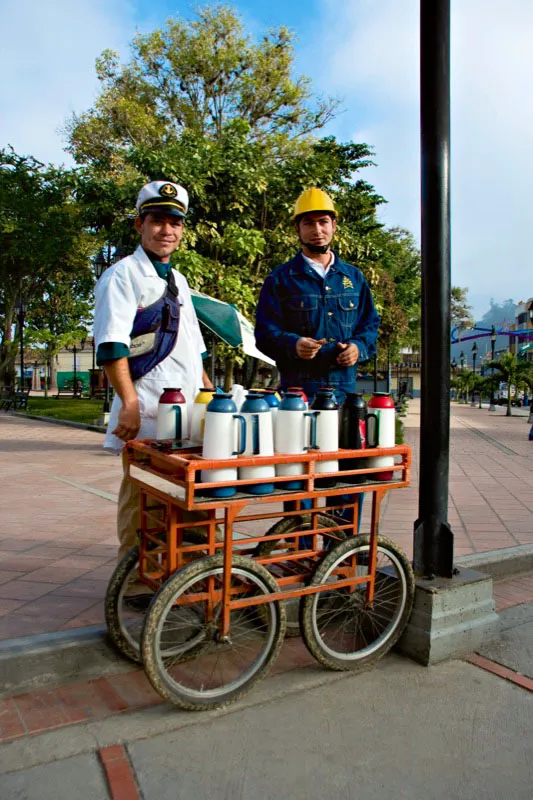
(295,301)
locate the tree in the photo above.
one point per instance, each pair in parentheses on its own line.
(42,243)
(197,76)
(512,372)
(461,311)
(202,104)
(463,381)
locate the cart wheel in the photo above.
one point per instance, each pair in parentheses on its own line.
(283,527)
(124,623)
(339,629)
(181,614)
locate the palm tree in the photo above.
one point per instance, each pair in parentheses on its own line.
(512,372)
(463,381)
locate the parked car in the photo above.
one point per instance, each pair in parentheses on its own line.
(502,394)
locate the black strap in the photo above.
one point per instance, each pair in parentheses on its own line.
(171,281)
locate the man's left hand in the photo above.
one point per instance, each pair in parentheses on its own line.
(348,356)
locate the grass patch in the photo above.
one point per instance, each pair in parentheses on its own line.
(85,410)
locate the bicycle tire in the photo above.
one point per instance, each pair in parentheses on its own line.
(124,626)
(186,683)
(338,629)
(285,526)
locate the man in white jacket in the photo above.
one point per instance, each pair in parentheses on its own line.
(143,290)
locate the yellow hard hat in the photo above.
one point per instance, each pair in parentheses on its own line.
(313,199)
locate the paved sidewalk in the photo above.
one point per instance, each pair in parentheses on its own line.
(57,540)
(455,730)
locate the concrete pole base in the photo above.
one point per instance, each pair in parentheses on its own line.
(492,407)
(451,617)
(104,419)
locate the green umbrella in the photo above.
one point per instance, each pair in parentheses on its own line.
(227,323)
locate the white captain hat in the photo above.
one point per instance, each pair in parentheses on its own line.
(163,196)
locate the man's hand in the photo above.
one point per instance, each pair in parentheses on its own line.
(348,356)
(129,421)
(308,348)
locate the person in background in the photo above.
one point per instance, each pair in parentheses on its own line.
(147,337)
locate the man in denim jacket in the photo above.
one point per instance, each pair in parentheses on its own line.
(315,316)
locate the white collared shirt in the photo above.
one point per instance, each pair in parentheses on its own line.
(128,285)
(317,266)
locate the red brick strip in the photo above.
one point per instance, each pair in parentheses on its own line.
(502,672)
(513,591)
(119,774)
(83,701)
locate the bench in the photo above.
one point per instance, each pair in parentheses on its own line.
(70,390)
(14,398)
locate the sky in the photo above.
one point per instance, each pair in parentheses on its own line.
(366,53)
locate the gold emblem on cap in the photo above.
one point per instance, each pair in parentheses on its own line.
(167,190)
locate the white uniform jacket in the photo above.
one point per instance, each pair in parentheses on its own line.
(128,285)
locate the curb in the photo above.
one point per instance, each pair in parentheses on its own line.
(50,659)
(66,422)
(502,563)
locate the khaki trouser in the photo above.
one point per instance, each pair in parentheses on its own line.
(128,520)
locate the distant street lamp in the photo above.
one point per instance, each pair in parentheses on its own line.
(474,356)
(101,263)
(74,351)
(453,367)
(21,308)
(493,337)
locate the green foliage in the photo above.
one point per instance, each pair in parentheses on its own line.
(75,410)
(195,76)
(461,311)
(513,372)
(201,103)
(44,251)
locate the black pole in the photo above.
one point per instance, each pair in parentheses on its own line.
(433,539)
(21,324)
(74,380)
(375,372)
(492,348)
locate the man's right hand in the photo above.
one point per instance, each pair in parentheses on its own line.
(129,421)
(308,348)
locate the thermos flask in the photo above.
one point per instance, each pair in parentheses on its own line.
(199,408)
(172,415)
(223,428)
(326,410)
(259,442)
(382,406)
(353,433)
(290,436)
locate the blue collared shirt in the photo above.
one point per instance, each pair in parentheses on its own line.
(295,302)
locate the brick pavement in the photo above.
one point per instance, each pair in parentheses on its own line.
(87,700)
(57,541)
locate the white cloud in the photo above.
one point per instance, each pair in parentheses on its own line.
(47,63)
(370,54)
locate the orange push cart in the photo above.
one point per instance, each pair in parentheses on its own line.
(220,599)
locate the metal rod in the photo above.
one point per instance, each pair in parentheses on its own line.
(433,540)
(21,323)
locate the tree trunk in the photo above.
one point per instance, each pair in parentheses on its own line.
(228,373)
(53,372)
(7,350)
(509,412)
